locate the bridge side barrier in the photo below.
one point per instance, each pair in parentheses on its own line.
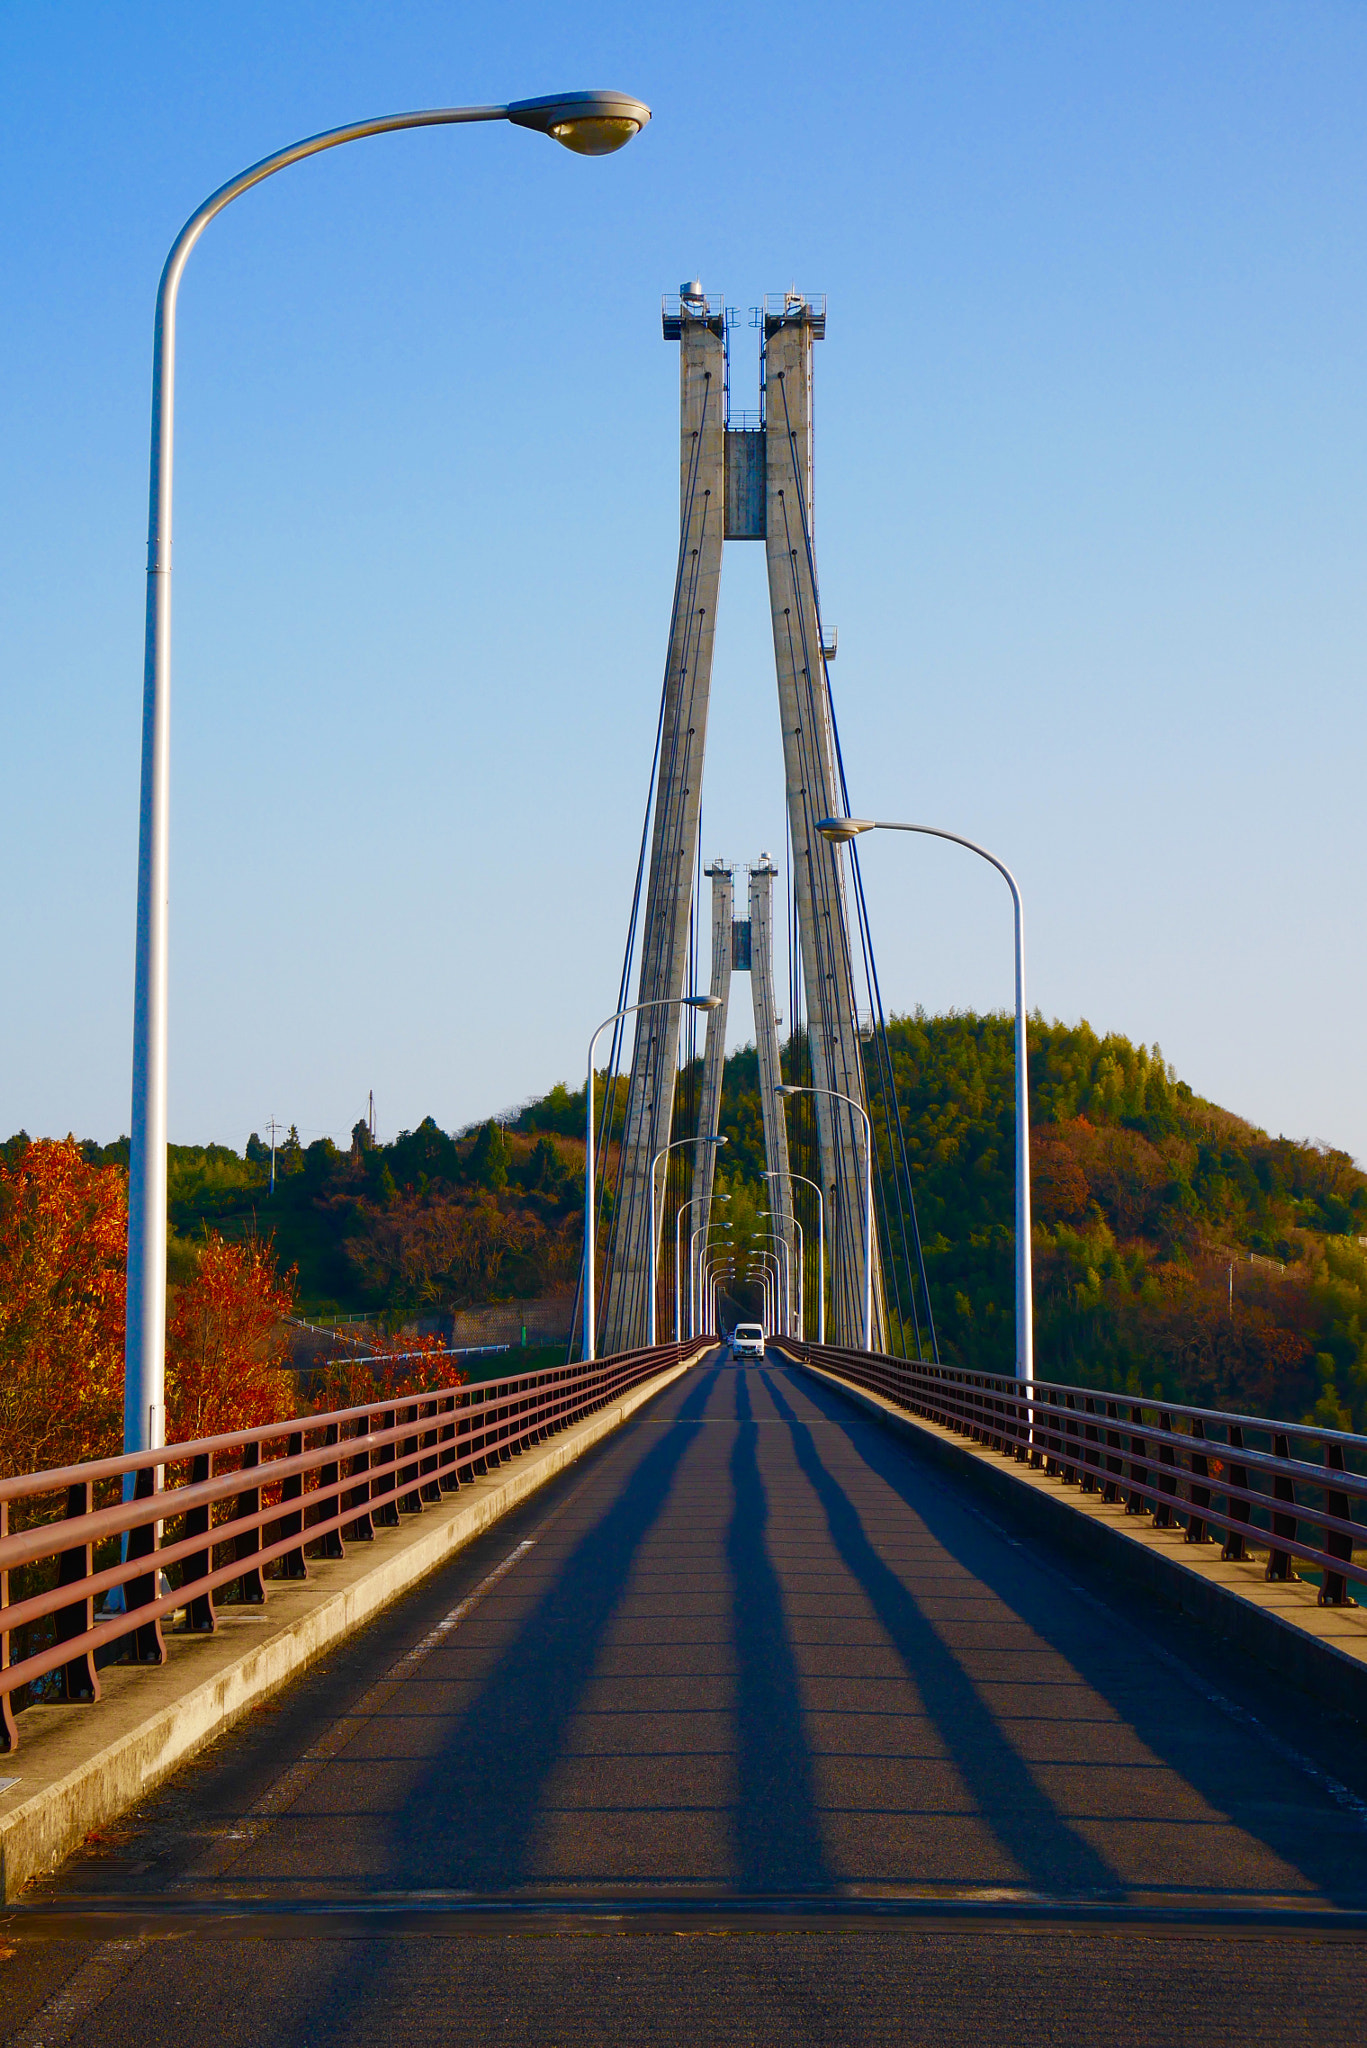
(217,1513)
(1292,1490)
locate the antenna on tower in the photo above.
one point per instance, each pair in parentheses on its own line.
(370,1117)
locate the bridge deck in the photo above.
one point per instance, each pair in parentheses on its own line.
(753,1647)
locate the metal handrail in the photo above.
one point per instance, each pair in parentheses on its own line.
(1200,1478)
(337,1475)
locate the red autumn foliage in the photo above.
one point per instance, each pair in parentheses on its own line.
(225,1344)
(63,1245)
(393,1368)
(63,1234)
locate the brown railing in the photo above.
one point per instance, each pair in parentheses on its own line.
(1293,1491)
(163,1531)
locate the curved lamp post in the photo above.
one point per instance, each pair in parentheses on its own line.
(765,1264)
(695,1258)
(679,1215)
(843,829)
(784,1254)
(785,1216)
(708,1272)
(590,1275)
(787,1089)
(591,124)
(807,1181)
(653,1275)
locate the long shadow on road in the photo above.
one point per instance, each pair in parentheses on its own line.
(470,1822)
(1019,1813)
(777,1826)
(1235,1767)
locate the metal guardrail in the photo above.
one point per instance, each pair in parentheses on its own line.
(1289,1489)
(216,1513)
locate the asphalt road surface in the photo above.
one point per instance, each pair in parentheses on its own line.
(750,1729)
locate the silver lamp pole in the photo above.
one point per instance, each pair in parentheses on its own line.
(868,1196)
(783,1253)
(653,1277)
(695,1258)
(679,1215)
(590,1276)
(820,1248)
(783,1216)
(842,829)
(591,124)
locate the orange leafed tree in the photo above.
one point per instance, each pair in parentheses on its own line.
(393,1368)
(225,1347)
(63,1234)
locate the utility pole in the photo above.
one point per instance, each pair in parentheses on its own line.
(272,1127)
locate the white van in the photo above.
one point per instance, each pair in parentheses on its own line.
(747,1340)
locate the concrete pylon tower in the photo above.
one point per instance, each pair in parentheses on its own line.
(699,326)
(714,1053)
(770,1074)
(791,326)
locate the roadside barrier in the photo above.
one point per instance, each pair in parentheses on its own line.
(1292,1490)
(217,1515)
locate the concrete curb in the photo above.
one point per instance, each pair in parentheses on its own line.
(1280,1626)
(43,1827)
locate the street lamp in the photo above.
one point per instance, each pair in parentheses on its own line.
(785,1270)
(590,124)
(841,830)
(653,1164)
(708,1273)
(788,1089)
(694,1267)
(655,1003)
(766,1265)
(679,1214)
(784,1216)
(820,1248)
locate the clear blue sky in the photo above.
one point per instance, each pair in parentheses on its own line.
(1091,520)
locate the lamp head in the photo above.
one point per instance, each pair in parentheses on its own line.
(786,1089)
(841,830)
(589,123)
(702,1002)
(716,1141)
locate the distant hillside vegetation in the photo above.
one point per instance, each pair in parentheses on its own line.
(1178,1248)
(1145,1198)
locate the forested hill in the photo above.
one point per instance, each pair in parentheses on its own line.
(1177,1247)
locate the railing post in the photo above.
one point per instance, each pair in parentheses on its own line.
(1070,1434)
(330,1542)
(362,1530)
(1334,1592)
(293,1565)
(1279,1564)
(148,1646)
(1167,1477)
(450,1476)
(1091,1455)
(250,1586)
(200,1617)
(410,1497)
(431,1464)
(386,1513)
(1198,1530)
(79,1681)
(1237,1505)
(9,1734)
(1114,1466)
(1135,1503)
